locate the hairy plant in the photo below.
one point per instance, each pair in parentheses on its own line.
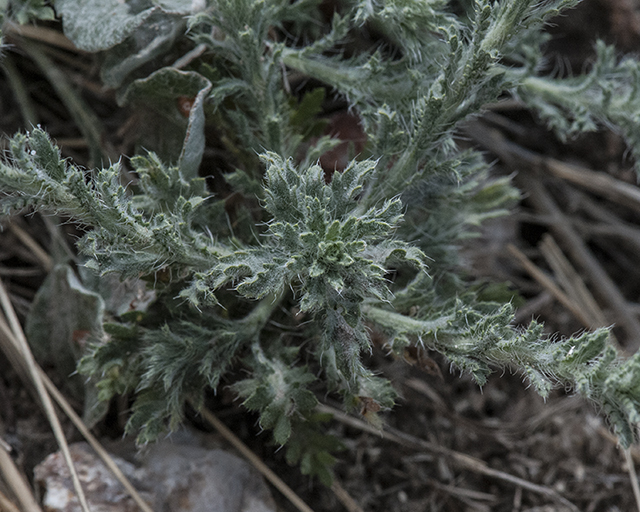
(370,246)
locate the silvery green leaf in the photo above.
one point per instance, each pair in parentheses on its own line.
(64,315)
(150,40)
(64,318)
(177,94)
(181,6)
(95,25)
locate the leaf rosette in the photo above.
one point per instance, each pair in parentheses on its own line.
(318,241)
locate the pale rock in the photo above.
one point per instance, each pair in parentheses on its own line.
(172,478)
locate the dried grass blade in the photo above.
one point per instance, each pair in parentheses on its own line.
(548,284)
(598,183)
(345,498)
(45,260)
(22,347)
(575,286)
(17,483)
(571,281)
(19,90)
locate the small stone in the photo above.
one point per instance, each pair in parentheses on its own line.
(103,491)
(193,479)
(173,478)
